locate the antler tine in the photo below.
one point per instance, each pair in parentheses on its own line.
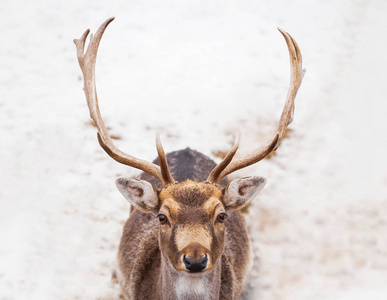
(163,162)
(87,63)
(296,75)
(226,160)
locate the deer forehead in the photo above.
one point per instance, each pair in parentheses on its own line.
(182,197)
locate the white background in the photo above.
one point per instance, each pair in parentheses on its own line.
(195,71)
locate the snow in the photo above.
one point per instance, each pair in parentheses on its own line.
(195,71)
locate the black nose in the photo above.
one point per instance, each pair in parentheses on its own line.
(195,265)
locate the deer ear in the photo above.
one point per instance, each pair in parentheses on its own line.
(241,191)
(139,193)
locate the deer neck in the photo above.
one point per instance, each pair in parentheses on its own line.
(178,286)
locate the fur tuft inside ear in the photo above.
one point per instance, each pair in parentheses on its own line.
(241,191)
(139,193)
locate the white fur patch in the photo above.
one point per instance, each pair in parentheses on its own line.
(192,287)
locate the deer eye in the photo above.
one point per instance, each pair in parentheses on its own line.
(221,217)
(163,219)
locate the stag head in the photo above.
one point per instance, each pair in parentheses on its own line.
(191,216)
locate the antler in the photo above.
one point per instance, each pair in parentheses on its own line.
(87,63)
(297,73)
(215,173)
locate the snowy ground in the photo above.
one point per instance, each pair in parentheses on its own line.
(195,71)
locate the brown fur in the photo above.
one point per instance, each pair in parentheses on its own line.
(150,253)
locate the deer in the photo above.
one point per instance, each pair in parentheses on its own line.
(185,237)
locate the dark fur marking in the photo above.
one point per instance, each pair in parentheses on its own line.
(137,191)
(192,196)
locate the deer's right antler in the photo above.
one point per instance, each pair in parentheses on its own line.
(227,165)
(87,63)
